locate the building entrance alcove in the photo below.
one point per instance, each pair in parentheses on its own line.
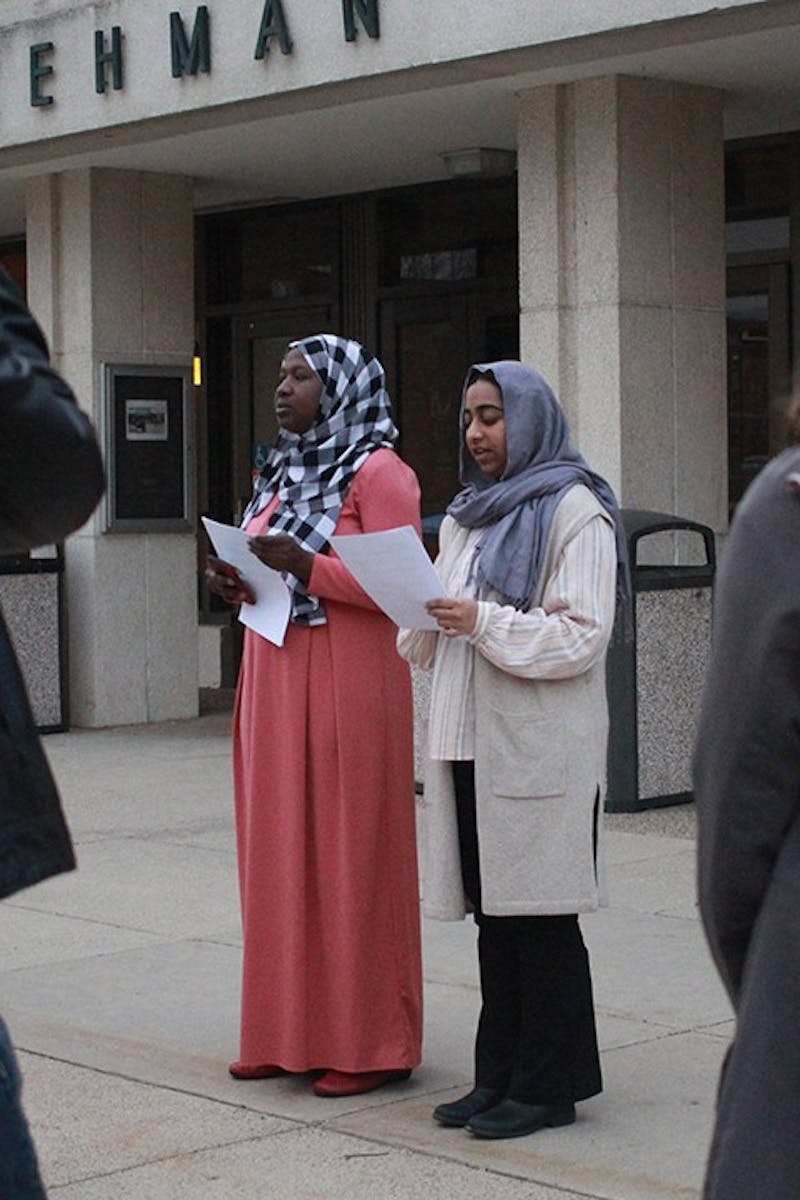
(425,277)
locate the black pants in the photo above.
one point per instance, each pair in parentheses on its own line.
(536,1039)
(19,1171)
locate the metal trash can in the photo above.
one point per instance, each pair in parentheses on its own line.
(655,679)
(32,601)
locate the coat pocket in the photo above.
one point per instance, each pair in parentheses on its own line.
(527,756)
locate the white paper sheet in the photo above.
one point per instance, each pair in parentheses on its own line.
(269,616)
(394,569)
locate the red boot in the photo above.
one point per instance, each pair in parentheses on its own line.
(240,1070)
(342,1083)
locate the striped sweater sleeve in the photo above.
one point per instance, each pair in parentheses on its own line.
(571,629)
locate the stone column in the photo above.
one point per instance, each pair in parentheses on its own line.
(622,281)
(110,269)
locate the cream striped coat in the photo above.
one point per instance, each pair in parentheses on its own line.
(524,697)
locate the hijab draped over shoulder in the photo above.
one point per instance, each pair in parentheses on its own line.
(517,509)
(312,472)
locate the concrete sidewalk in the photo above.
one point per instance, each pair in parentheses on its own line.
(120,985)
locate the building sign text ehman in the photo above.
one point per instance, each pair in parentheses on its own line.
(190,51)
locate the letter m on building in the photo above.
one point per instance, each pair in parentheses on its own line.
(190,57)
(367,11)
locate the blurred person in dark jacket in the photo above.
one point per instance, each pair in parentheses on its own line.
(747,788)
(51,478)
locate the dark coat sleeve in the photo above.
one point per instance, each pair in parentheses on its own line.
(34,839)
(51,474)
(51,477)
(747,757)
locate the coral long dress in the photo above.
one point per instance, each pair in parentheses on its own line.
(323,771)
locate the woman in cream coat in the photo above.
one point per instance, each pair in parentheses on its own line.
(532,557)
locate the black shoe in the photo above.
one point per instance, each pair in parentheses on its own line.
(510,1119)
(460,1111)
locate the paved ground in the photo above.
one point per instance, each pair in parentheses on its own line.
(120,985)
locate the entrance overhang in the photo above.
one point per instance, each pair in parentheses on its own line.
(302,132)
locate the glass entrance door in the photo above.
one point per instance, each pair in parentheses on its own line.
(759,369)
(427,344)
(259,345)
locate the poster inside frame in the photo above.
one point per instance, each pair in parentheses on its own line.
(149,448)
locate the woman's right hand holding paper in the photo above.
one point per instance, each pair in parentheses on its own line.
(223,579)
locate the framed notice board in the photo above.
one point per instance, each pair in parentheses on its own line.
(148,423)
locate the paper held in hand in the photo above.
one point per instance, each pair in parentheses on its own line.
(269,616)
(394,569)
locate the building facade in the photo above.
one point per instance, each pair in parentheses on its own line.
(595,187)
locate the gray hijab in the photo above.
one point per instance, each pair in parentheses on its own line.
(517,510)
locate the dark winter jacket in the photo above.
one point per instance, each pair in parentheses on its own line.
(747,758)
(747,786)
(51,477)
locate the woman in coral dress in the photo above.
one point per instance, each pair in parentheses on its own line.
(323,762)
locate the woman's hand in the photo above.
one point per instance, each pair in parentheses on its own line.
(281,552)
(456,618)
(224,580)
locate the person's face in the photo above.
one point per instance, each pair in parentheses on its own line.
(297,396)
(485,427)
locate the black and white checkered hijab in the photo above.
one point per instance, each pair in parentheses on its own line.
(312,472)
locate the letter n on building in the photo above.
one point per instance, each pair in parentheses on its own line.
(367,11)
